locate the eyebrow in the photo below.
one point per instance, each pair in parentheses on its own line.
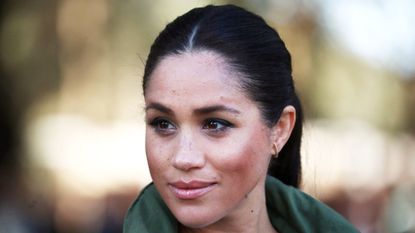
(159,107)
(198,111)
(215,108)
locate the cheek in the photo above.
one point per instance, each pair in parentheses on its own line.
(246,154)
(156,152)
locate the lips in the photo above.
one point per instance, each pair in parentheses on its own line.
(191,190)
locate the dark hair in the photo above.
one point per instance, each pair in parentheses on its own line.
(252,48)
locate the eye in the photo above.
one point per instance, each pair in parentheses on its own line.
(163,126)
(216,125)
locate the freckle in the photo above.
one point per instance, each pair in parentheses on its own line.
(252,211)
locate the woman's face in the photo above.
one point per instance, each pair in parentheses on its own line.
(207,146)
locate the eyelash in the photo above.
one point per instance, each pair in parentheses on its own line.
(156,125)
(219,126)
(225,125)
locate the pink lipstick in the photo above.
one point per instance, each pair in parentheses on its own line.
(191,190)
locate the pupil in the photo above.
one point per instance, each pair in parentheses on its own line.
(213,125)
(164,125)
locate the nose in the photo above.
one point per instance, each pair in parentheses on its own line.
(187,155)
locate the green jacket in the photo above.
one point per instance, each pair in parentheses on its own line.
(290,211)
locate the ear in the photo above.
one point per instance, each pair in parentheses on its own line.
(281,131)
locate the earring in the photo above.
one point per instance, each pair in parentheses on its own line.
(274,151)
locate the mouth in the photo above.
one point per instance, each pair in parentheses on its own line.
(191,190)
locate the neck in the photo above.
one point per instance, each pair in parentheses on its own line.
(250,216)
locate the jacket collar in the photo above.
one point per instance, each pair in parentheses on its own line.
(289,209)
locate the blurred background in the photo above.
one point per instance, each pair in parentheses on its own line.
(71,120)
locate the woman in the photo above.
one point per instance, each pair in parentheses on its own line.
(223,131)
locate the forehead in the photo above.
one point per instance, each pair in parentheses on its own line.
(200,73)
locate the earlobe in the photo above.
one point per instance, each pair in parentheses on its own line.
(283,128)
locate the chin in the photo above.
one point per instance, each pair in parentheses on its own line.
(195,218)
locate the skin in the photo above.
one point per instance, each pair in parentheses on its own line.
(201,126)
